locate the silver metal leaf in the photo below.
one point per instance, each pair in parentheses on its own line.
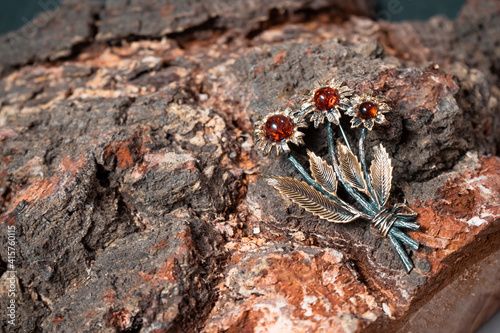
(323,173)
(351,168)
(311,200)
(381,175)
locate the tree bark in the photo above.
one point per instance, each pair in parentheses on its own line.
(127,169)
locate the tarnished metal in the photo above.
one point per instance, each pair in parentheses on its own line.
(381,175)
(313,201)
(351,168)
(370,190)
(323,173)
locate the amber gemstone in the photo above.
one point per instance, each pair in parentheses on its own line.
(278,127)
(326,98)
(367,110)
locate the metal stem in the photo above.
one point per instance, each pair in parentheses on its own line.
(407,225)
(401,252)
(317,187)
(367,207)
(362,158)
(406,240)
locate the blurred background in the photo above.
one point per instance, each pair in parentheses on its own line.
(15,14)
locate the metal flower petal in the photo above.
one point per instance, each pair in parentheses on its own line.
(367,110)
(380,119)
(326,101)
(276,130)
(369,124)
(355,122)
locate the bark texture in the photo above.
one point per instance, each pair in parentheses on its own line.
(127,168)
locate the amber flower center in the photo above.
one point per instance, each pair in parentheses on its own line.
(278,127)
(367,110)
(326,98)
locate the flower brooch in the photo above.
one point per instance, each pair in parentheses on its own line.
(370,189)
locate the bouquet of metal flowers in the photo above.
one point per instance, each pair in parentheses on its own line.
(369,189)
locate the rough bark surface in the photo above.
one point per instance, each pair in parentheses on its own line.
(127,168)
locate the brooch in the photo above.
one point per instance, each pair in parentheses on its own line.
(370,189)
